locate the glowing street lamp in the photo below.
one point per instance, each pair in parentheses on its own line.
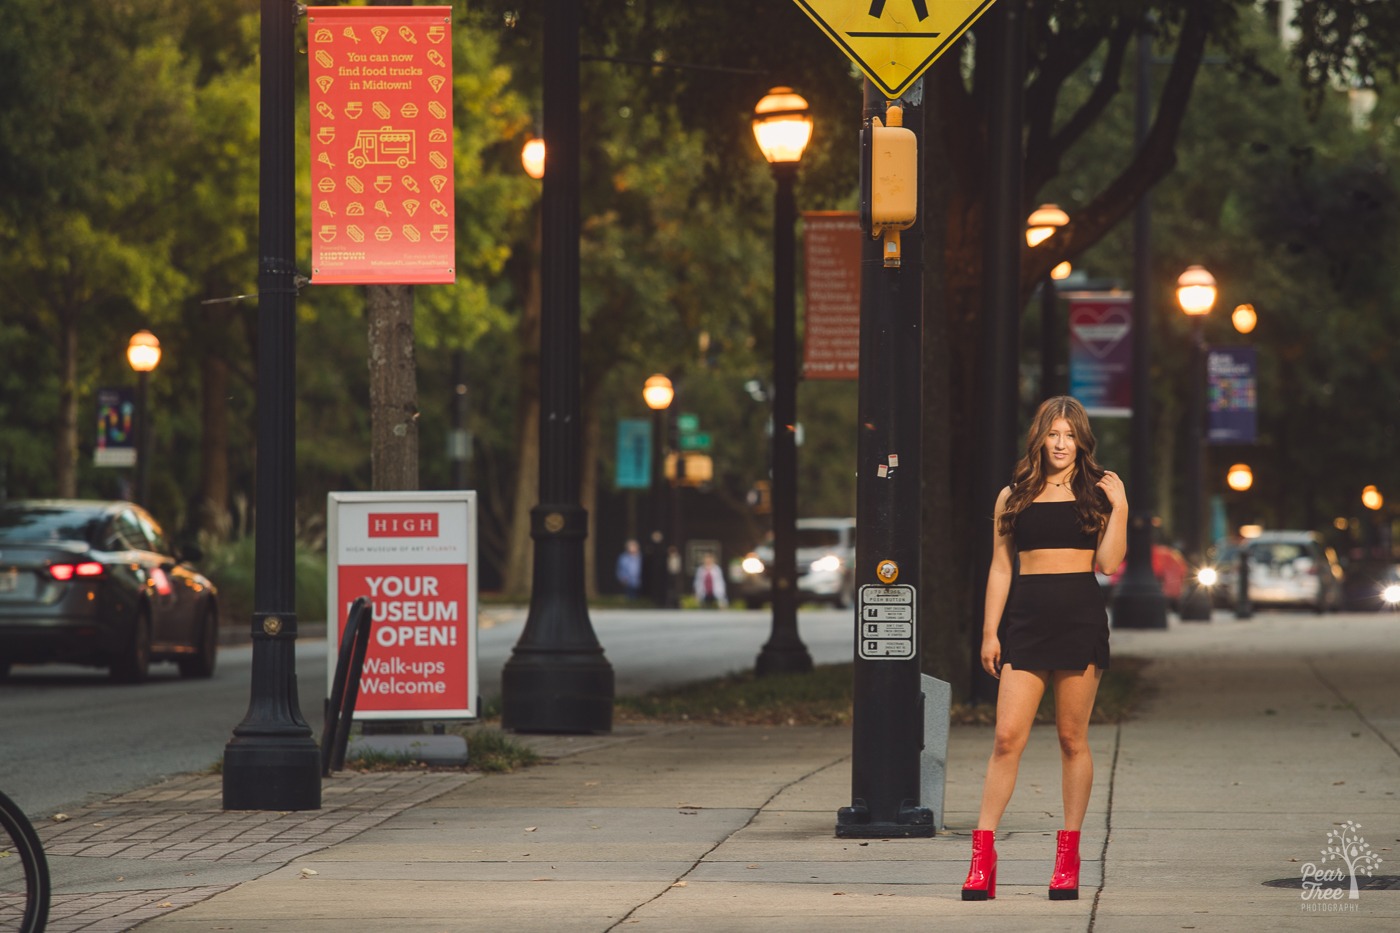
(1240,477)
(1196,293)
(1371,498)
(1040,226)
(1244,318)
(658,394)
(783,127)
(532,157)
(143,353)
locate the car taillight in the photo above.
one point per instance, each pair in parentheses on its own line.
(64,572)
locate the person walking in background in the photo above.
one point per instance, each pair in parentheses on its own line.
(629,569)
(709,584)
(1062,514)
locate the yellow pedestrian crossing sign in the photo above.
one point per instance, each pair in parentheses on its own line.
(894,41)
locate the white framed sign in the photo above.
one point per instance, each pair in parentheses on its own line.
(413,554)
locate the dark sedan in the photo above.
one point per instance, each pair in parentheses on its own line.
(87,582)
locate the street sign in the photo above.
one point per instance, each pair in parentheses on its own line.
(695,441)
(886,622)
(687,423)
(414,555)
(894,41)
(633,453)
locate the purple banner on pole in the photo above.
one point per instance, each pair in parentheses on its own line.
(1232,381)
(1101,353)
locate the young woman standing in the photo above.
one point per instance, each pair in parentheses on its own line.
(1046,626)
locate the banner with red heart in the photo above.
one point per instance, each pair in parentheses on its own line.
(1100,353)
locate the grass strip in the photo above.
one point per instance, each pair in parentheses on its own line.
(824,697)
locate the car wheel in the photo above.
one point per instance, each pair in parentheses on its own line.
(133,664)
(201,663)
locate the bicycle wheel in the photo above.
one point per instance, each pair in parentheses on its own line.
(24,873)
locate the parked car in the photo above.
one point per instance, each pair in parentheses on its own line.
(97,583)
(1371,584)
(1286,568)
(1168,566)
(826,557)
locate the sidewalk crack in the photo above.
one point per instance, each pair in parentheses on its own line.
(706,854)
(1108,828)
(1351,705)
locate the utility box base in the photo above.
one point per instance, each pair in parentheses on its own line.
(933,760)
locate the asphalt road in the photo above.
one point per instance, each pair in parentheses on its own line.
(69,736)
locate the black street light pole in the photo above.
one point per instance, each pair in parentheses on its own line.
(143,438)
(784,652)
(272,763)
(557,679)
(658,395)
(1138,601)
(1049,339)
(1196,600)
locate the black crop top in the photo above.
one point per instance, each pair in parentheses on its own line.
(1045,525)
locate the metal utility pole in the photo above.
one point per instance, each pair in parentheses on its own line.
(887,724)
(1138,601)
(557,679)
(272,763)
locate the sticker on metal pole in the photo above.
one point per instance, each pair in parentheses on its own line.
(887,618)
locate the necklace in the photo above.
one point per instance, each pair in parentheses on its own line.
(1061,485)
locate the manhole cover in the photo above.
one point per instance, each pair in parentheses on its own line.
(1377,883)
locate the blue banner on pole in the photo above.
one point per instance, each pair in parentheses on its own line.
(116,428)
(633,453)
(1232,380)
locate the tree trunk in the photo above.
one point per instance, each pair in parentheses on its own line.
(588,491)
(393,388)
(519,575)
(519,572)
(212,510)
(952,315)
(66,439)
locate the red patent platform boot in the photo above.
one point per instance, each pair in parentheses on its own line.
(1064,883)
(981,883)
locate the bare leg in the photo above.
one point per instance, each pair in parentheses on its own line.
(1018,696)
(1074,702)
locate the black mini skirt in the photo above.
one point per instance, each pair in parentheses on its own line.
(1055,622)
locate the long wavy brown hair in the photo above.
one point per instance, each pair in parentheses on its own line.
(1028,481)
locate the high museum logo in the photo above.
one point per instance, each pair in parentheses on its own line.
(403,524)
(1347,855)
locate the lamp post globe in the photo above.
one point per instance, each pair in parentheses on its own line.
(532,158)
(1196,292)
(1244,318)
(1372,499)
(143,353)
(1240,477)
(783,127)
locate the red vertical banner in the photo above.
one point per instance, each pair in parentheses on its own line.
(831,255)
(382,194)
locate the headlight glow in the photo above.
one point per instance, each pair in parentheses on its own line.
(1207,576)
(1391,594)
(752,565)
(826,564)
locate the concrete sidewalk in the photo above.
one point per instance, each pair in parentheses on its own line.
(1259,739)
